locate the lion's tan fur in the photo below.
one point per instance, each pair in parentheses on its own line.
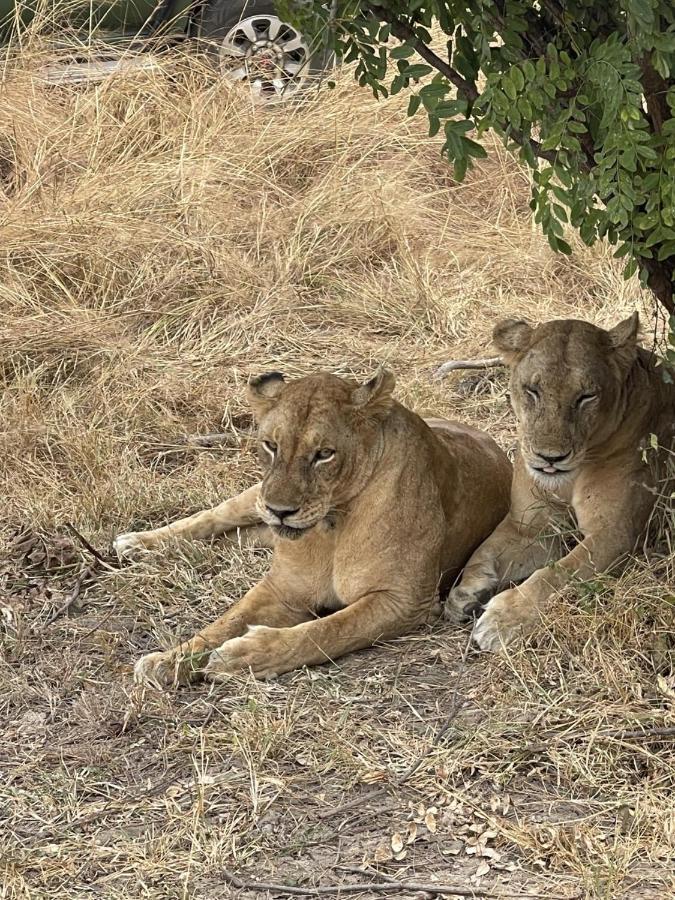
(398,508)
(587,401)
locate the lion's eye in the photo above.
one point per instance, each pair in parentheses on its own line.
(584,399)
(532,392)
(271,447)
(324,455)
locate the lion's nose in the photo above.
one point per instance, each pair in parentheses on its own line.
(281,512)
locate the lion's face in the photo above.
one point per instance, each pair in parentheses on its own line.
(318,439)
(568,388)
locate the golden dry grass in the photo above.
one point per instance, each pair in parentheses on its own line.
(161,239)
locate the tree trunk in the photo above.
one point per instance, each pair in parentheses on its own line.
(660,280)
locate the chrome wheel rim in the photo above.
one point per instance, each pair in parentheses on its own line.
(269,55)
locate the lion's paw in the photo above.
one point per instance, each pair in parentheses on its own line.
(261,651)
(507,617)
(158,670)
(126,544)
(463,603)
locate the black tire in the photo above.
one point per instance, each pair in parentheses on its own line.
(221,18)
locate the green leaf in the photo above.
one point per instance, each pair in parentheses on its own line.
(460,168)
(401,52)
(630,270)
(517,78)
(509,88)
(414,104)
(419,70)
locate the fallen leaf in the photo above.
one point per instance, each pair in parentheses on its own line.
(382,853)
(412,833)
(482,869)
(430,819)
(396,842)
(666,686)
(452,848)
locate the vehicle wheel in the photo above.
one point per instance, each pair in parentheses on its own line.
(253,45)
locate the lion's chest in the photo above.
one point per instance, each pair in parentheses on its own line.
(328,567)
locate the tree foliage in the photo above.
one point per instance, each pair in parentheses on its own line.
(583,89)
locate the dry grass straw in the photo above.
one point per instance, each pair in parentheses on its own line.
(160,240)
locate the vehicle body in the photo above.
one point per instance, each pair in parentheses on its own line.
(247,38)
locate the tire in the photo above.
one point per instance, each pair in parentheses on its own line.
(252,44)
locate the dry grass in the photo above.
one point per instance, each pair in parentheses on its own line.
(161,240)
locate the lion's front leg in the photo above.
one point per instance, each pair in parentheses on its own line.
(508,555)
(612,511)
(272,651)
(237,512)
(513,613)
(264,605)
(517,547)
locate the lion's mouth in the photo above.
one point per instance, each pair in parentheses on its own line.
(551,473)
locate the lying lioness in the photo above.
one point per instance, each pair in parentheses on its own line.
(587,401)
(369,508)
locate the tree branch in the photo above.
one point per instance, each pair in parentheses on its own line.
(404,32)
(655,88)
(660,279)
(454,365)
(386,887)
(466,89)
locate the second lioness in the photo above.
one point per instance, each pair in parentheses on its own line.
(592,407)
(369,508)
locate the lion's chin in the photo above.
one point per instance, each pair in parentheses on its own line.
(552,481)
(291,534)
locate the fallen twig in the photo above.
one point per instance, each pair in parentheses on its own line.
(656,731)
(454,365)
(85,543)
(617,734)
(449,719)
(208,440)
(98,625)
(72,596)
(378,886)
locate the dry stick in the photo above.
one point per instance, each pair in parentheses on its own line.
(208,440)
(380,886)
(454,365)
(656,731)
(85,543)
(449,719)
(98,625)
(72,596)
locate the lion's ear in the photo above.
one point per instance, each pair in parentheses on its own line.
(263,391)
(375,396)
(624,339)
(512,337)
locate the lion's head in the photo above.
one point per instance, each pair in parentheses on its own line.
(318,442)
(568,389)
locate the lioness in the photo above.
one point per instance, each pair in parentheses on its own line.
(586,401)
(368,507)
